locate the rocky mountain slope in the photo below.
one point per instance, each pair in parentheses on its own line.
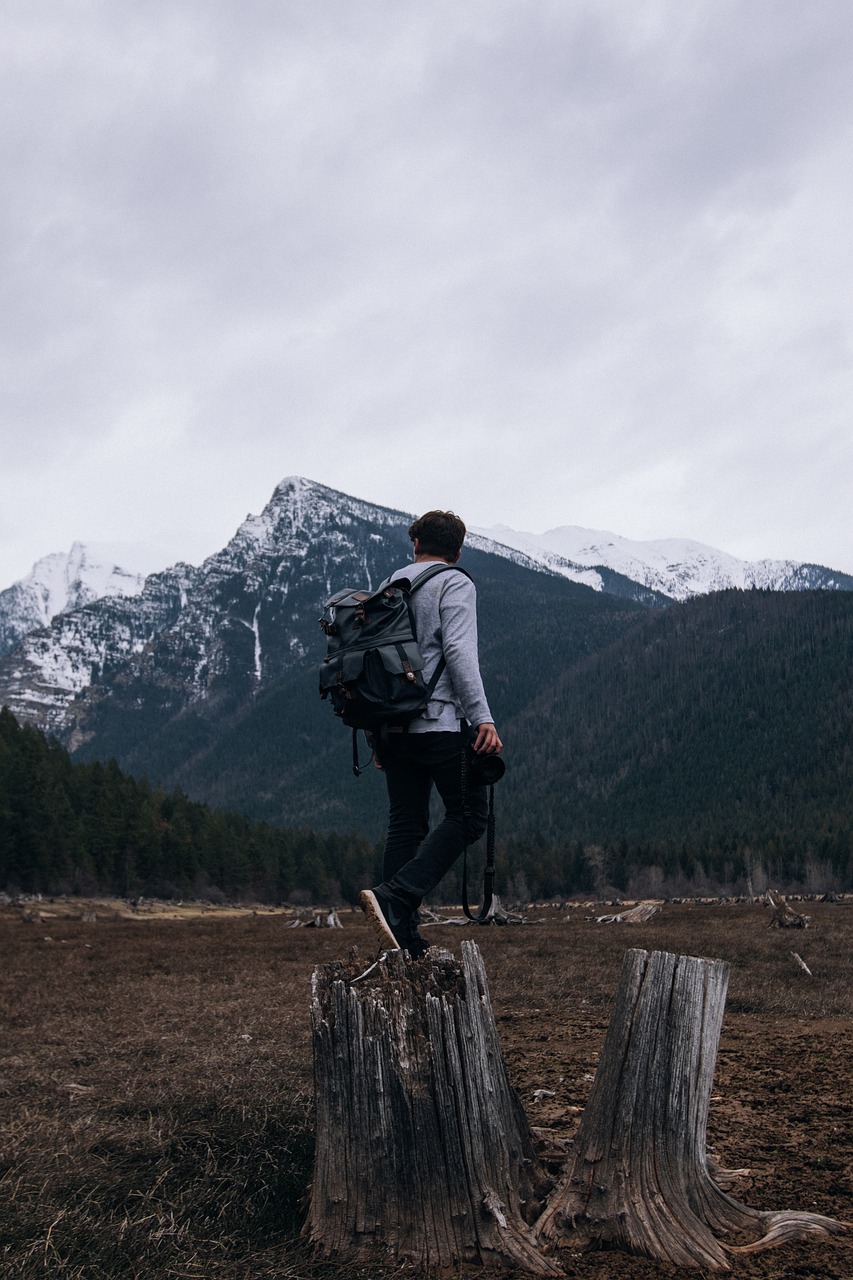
(219,634)
(50,667)
(60,583)
(63,645)
(245,616)
(651,572)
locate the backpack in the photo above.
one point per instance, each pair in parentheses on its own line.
(373,669)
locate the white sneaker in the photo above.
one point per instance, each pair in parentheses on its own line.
(372,909)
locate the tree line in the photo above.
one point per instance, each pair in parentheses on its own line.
(82,828)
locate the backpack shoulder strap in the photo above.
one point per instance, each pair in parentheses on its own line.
(433,572)
(407,584)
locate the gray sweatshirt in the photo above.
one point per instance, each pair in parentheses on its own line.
(445,613)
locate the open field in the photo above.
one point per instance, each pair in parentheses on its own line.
(156,1078)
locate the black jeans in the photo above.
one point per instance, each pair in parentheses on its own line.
(415,859)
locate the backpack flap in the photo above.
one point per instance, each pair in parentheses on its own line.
(347,666)
(401,658)
(373,669)
(372,686)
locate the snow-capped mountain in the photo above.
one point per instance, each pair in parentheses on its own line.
(50,666)
(222,633)
(223,630)
(677,568)
(235,621)
(61,582)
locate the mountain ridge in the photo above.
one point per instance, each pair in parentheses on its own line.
(706,730)
(674,568)
(651,572)
(242,618)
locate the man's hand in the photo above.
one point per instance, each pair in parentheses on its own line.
(487,741)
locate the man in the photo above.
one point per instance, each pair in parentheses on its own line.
(430,751)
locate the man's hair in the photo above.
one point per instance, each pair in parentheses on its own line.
(440,533)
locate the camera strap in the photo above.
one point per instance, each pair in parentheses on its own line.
(489,872)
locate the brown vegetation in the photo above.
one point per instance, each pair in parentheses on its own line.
(156,1079)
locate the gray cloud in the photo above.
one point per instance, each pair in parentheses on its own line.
(555,264)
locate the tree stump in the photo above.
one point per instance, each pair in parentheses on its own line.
(424,1153)
(423,1150)
(638,1178)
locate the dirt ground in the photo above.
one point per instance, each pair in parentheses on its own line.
(156,1077)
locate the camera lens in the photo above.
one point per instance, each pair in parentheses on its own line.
(485,770)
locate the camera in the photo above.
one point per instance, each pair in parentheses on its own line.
(484,770)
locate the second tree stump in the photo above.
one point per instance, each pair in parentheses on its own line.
(638,1177)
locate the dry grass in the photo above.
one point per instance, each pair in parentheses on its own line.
(156,1080)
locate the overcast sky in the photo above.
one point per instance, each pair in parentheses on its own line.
(544,263)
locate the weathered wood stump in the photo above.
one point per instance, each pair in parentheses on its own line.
(783,914)
(424,1153)
(423,1150)
(638,1178)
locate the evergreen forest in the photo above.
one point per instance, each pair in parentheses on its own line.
(702,748)
(89,828)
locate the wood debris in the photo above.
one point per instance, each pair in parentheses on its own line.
(784,916)
(316,920)
(636,915)
(497,915)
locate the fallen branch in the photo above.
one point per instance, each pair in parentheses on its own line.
(497,914)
